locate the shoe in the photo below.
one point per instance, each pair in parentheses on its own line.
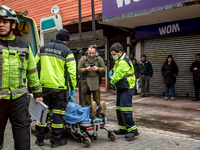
(93,109)
(102,109)
(59,142)
(129,136)
(146,95)
(194,99)
(39,142)
(166,98)
(172,98)
(119,132)
(142,96)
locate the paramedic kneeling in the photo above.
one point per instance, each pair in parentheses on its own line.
(123,79)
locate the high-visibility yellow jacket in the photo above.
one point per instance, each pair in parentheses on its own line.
(56,66)
(123,74)
(17,64)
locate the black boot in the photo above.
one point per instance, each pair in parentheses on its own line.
(118,132)
(129,136)
(59,142)
(39,142)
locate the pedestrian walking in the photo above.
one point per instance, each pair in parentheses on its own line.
(169,71)
(91,66)
(57,72)
(144,73)
(195,68)
(123,79)
(17,64)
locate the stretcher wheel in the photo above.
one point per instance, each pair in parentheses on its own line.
(87,141)
(111,136)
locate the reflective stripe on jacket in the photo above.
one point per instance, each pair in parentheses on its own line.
(56,66)
(16,64)
(123,73)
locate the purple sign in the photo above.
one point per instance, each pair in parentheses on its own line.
(119,7)
(168,29)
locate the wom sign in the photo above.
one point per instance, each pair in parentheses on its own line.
(119,7)
(127,2)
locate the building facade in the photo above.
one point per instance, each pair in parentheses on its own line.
(161,28)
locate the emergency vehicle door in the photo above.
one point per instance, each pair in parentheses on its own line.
(27,31)
(49,26)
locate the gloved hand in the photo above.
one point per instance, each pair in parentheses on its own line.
(112,86)
(71,92)
(110,74)
(70,98)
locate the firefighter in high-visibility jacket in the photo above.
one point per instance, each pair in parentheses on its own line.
(57,73)
(17,64)
(123,79)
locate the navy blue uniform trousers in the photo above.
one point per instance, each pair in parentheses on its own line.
(124,111)
(17,112)
(57,101)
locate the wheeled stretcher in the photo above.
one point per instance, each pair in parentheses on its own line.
(85,128)
(82,131)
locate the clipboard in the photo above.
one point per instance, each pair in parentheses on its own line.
(37,111)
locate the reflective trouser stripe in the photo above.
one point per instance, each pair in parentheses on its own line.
(49,111)
(40,125)
(132,128)
(122,127)
(57,125)
(57,111)
(124,108)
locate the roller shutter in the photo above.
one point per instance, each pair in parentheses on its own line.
(183,49)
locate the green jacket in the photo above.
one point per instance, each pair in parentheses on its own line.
(56,66)
(17,64)
(145,69)
(123,73)
(85,61)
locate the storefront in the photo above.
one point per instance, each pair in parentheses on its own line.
(160,28)
(180,39)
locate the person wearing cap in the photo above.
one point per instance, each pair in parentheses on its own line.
(123,80)
(17,64)
(169,71)
(91,66)
(144,72)
(57,72)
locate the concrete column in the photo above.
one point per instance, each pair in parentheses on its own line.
(138,51)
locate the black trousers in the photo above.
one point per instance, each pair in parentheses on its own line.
(57,102)
(17,112)
(196,87)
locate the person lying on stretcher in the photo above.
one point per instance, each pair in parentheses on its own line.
(75,113)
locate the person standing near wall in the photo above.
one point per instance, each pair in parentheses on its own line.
(123,79)
(195,68)
(145,72)
(91,66)
(169,71)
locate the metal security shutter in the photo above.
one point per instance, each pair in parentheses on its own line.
(74,44)
(183,49)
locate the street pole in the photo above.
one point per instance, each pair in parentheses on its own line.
(93,23)
(81,96)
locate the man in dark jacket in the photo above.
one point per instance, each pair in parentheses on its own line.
(195,68)
(144,72)
(169,71)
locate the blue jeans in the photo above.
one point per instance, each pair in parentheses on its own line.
(167,87)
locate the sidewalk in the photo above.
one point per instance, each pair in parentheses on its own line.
(182,115)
